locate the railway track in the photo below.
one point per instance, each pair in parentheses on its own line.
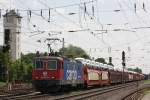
(76,95)
(93,93)
(137,94)
(13,93)
(22,96)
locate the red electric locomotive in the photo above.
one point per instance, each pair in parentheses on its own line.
(52,73)
(47,73)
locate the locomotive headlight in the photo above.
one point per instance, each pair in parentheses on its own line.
(45,74)
(52,77)
(36,77)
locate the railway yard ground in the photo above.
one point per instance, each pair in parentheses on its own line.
(127,91)
(140,92)
(145,94)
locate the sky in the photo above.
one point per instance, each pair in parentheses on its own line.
(102,28)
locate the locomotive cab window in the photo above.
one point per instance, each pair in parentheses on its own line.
(39,64)
(52,64)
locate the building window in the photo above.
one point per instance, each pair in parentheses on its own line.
(7,36)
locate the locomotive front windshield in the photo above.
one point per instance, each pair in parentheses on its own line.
(52,64)
(39,64)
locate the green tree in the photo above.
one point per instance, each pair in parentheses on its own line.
(28,58)
(74,51)
(20,69)
(101,60)
(27,62)
(135,69)
(138,70)
(130,69)
(6,62)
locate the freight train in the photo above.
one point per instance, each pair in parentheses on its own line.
(54,73)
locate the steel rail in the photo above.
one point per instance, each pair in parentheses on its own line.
(89,94)
(73,95)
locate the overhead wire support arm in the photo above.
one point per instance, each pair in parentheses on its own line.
(49,44)
(53,40)
(49,39)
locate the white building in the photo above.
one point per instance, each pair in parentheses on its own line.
(12,33)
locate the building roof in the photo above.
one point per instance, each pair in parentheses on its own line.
(12,13)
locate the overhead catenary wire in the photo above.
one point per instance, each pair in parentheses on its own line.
(33,25)
(59,13)
(125,16)
(138,19)
(136,14)
(70,5)
(39,10)
(30,11)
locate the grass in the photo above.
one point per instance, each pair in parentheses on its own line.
(147,81)
(146,91)
(2,84)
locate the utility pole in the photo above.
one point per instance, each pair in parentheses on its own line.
(123,64)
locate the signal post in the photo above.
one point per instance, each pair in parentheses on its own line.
(123,64)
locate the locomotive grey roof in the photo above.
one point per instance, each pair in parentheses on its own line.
(49,57)
(93,63)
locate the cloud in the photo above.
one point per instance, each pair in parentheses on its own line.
(3,1)
(60,10)
(6,4)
